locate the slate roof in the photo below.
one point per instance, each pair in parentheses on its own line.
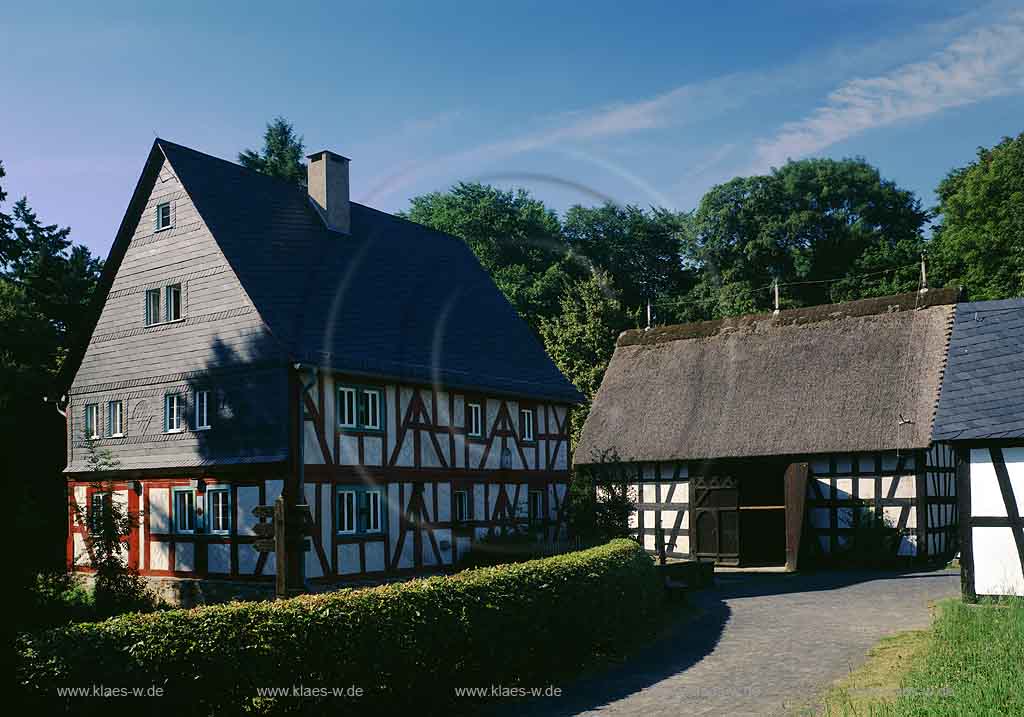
(393,299)
(859,376)
(983,391)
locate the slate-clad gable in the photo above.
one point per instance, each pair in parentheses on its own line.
(983,390)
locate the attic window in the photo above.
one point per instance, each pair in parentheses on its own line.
(163,216)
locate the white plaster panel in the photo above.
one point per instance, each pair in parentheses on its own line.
(986,498)
(844,517)
(668,519)
(443,536)
(429,455)
(647,493)
(428,500)
(374,556)
(866,463)
(826,488)
(443,416)
(349,448)
(523,505)
(407,558)
(80,554)
(561,453)
(373,450)
(649,542)
(159,555)
(460,451)
(79,499)
(159,510)
(997,568)
(311,452)
(844,488)
(274,488)
(391,418)
(248,498)
(631,520)
(820,466)
(394,513)
(650,519)
(491,410)
(444,502)
(844,464)
(184,557)
(218,558)
(492,501)
(348,559)
(888,461)
(683,544)
(819,517)
(479,513)
(462,546)
(247,557)
(476,454)
(866,489)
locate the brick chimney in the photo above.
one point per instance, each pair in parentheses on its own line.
(327,181)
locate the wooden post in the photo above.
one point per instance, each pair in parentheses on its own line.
(280,548)
(659,539)
(796,496)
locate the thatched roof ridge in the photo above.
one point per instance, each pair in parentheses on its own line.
(861,376)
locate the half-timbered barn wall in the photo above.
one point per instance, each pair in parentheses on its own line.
(993,531)
(913,491)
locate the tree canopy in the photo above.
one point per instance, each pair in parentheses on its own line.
(282,155)
(979,242)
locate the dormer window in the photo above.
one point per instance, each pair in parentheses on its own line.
(163,216)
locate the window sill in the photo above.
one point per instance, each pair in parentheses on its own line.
(176,430)
(116,435)
(165,323)
(359,429)
(163,229)
(197,429)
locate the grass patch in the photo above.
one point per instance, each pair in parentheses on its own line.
(971,662)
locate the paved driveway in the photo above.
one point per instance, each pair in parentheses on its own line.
(764,645)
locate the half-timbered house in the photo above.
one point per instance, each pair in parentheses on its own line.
(748,437)
(981,414)
(255,338)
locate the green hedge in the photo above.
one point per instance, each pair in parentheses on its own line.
(406,644)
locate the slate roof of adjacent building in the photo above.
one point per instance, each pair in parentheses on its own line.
(983,391)
(858,376)
(392,299)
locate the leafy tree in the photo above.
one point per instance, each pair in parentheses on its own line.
(118,588)
(515,237)
(808,221)
(282,153)
(600,500)
(979,243)
(639,250)
(581,338)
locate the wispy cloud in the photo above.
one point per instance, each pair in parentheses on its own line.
(986,62)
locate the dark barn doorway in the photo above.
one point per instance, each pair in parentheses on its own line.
(739,512)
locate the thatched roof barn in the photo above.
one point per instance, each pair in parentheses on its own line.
(849,389)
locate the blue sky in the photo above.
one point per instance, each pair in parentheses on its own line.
(651,105)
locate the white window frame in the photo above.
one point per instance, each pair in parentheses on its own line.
(115,418)
(201,399)
(175,492)
(538,515)
(348,414)
(375,511)
(527,420)
(211,509)
(158,222)
(153,301)
(461,506)
(169,291)
(91,427)
(373,406)
(347,512)
(179,406)
(474,419)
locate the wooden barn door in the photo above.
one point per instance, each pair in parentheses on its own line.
(716,518)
